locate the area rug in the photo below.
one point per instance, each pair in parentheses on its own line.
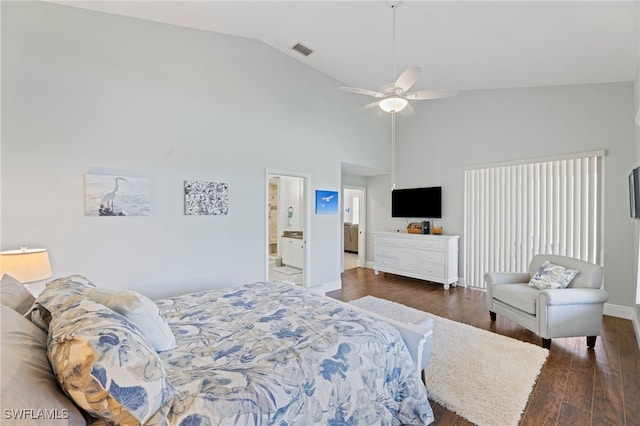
(481,376)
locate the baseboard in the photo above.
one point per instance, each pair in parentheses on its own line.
(326,287)
(624,312)
(636,325)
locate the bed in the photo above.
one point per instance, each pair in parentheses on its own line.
(262,353)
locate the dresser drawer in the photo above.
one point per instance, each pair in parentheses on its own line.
(432,244)
(390,240)
(418,242)
(431,270)
(385,251)
(437,257)
(412,243)
(386,262)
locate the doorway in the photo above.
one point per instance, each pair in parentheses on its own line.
(354,220)
(287,219)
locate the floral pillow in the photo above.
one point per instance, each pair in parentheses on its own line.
(54,296)
(105,364)
(551,276)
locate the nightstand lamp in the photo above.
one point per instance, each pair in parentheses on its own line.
(26,265)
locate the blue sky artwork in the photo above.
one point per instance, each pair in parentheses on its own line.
(326,202)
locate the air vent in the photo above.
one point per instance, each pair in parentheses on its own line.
(300,48)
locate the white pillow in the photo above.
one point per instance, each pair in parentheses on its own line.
(551,276)
(141,311)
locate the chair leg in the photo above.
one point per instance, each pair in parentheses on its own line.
(492,315)
(591,341)
(546,343)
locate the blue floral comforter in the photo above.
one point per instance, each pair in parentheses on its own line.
(271,353)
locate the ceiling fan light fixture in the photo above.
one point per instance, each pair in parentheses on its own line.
(393,104)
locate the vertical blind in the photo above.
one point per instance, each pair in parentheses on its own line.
(516,210)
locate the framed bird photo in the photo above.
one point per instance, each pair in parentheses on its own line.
(116,195)
(326,202)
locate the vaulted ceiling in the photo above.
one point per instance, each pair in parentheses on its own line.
(460,45)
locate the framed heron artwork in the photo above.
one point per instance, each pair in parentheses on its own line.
(114,195)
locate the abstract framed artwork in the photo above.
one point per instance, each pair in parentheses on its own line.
(205,198)
(326,202)
(116,195)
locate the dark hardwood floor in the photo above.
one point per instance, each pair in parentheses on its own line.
(577,386)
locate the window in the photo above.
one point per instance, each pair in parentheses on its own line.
(516,210)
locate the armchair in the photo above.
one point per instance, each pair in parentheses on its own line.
(565,312)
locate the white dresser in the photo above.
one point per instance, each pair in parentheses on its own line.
(427,257)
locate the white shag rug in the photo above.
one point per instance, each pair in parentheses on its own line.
(482,376)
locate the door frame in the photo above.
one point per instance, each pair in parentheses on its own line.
(362,225)
(306,239)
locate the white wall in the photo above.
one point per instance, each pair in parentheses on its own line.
(82,89)
(490,126)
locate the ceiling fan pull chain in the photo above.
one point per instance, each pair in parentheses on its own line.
(393,150)
(393,42)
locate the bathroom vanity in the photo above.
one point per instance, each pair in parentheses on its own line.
(292,249)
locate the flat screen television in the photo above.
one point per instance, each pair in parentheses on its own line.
(634,193)
(417,202)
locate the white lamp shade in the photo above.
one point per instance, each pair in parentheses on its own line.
(393,104)
(26,265)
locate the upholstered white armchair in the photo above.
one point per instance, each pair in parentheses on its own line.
(559,312)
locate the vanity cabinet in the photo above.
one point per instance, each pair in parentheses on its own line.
(427,257)
(292,251)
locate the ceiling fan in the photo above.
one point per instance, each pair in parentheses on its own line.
(394,97)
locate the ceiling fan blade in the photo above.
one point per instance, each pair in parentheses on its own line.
(368,106)
(408,110)
(388,89)
(431,94)
(362,91)
(408,78)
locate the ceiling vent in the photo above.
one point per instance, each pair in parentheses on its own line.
(302,49)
